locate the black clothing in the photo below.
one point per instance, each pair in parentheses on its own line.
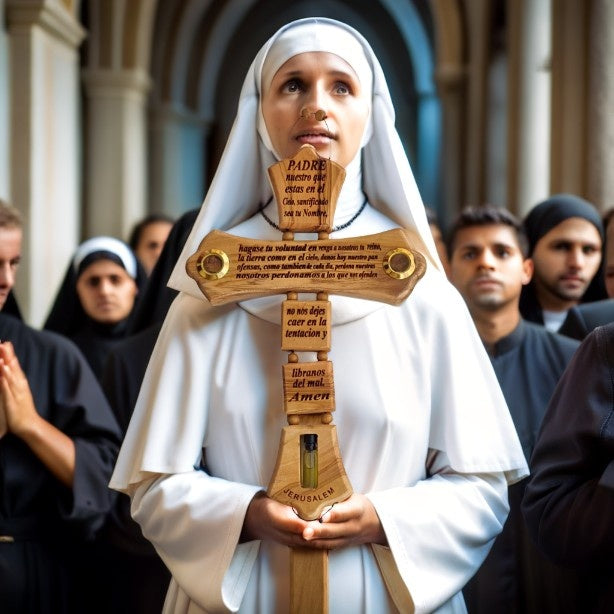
(529,363)
(11,307)
(582,319)
(48,522)
(133,579)
(96,340)
(569,501)
(515,577)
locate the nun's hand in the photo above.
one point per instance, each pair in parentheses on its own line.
(349,523)
(270,520)
(15,395)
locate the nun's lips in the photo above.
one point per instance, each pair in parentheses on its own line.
(315,139)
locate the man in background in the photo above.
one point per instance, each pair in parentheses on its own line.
(565,236)
(582,319)
(58,443)
(489,266)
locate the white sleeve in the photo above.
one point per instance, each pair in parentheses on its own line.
(441,529)
(195,521)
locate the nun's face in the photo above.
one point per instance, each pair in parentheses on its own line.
(106,292)
(316,81)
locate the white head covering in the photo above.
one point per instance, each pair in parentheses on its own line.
(241,182)
(106,244)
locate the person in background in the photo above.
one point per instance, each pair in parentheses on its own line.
(58,443)
(569,500)
(10,254)
(148,237)
(489,267)
(135,577)
(424,432)
(438,237)
(565,236)
(583,318)
(96,297)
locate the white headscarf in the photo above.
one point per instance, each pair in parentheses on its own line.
(106,244)
(241,184)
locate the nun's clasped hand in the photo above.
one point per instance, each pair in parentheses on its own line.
(349,523)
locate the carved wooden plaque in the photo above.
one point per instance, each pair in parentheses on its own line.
(306,189)
(305,326)
(381,267)
(308,387)
(332,485)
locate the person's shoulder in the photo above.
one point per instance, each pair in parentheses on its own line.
(585,317)
(42,341)
(560,344)
(601,339)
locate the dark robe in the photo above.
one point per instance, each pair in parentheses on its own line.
(582,319)
(96,340)
(11,307)
(131,577)
(47,526)
(516,577)
(569,501)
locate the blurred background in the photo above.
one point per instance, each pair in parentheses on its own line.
(113,109)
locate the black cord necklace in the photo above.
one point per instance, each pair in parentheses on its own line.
(335,229)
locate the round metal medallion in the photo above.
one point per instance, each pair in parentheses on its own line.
(214,264)
(399,263)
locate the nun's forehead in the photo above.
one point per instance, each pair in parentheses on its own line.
(316,36)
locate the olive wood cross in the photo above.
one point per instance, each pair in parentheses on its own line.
(309,474)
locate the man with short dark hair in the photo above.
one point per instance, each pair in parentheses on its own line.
(584,318)
(489,267)
(58,443)
(565,235)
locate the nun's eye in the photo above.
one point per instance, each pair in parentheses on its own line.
(342,88)
(292,86)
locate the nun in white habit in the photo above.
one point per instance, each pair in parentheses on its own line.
(424,432)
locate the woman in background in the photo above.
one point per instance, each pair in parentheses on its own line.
(96,298)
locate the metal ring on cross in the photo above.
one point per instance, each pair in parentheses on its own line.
(399,263)
(213,264)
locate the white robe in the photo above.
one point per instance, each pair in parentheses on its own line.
(423,431)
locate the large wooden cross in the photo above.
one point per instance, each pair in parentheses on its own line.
(309,475)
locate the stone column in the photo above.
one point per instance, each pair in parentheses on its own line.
(529,103)
(4,109)
(45,144)
(115,155)
(600,112)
